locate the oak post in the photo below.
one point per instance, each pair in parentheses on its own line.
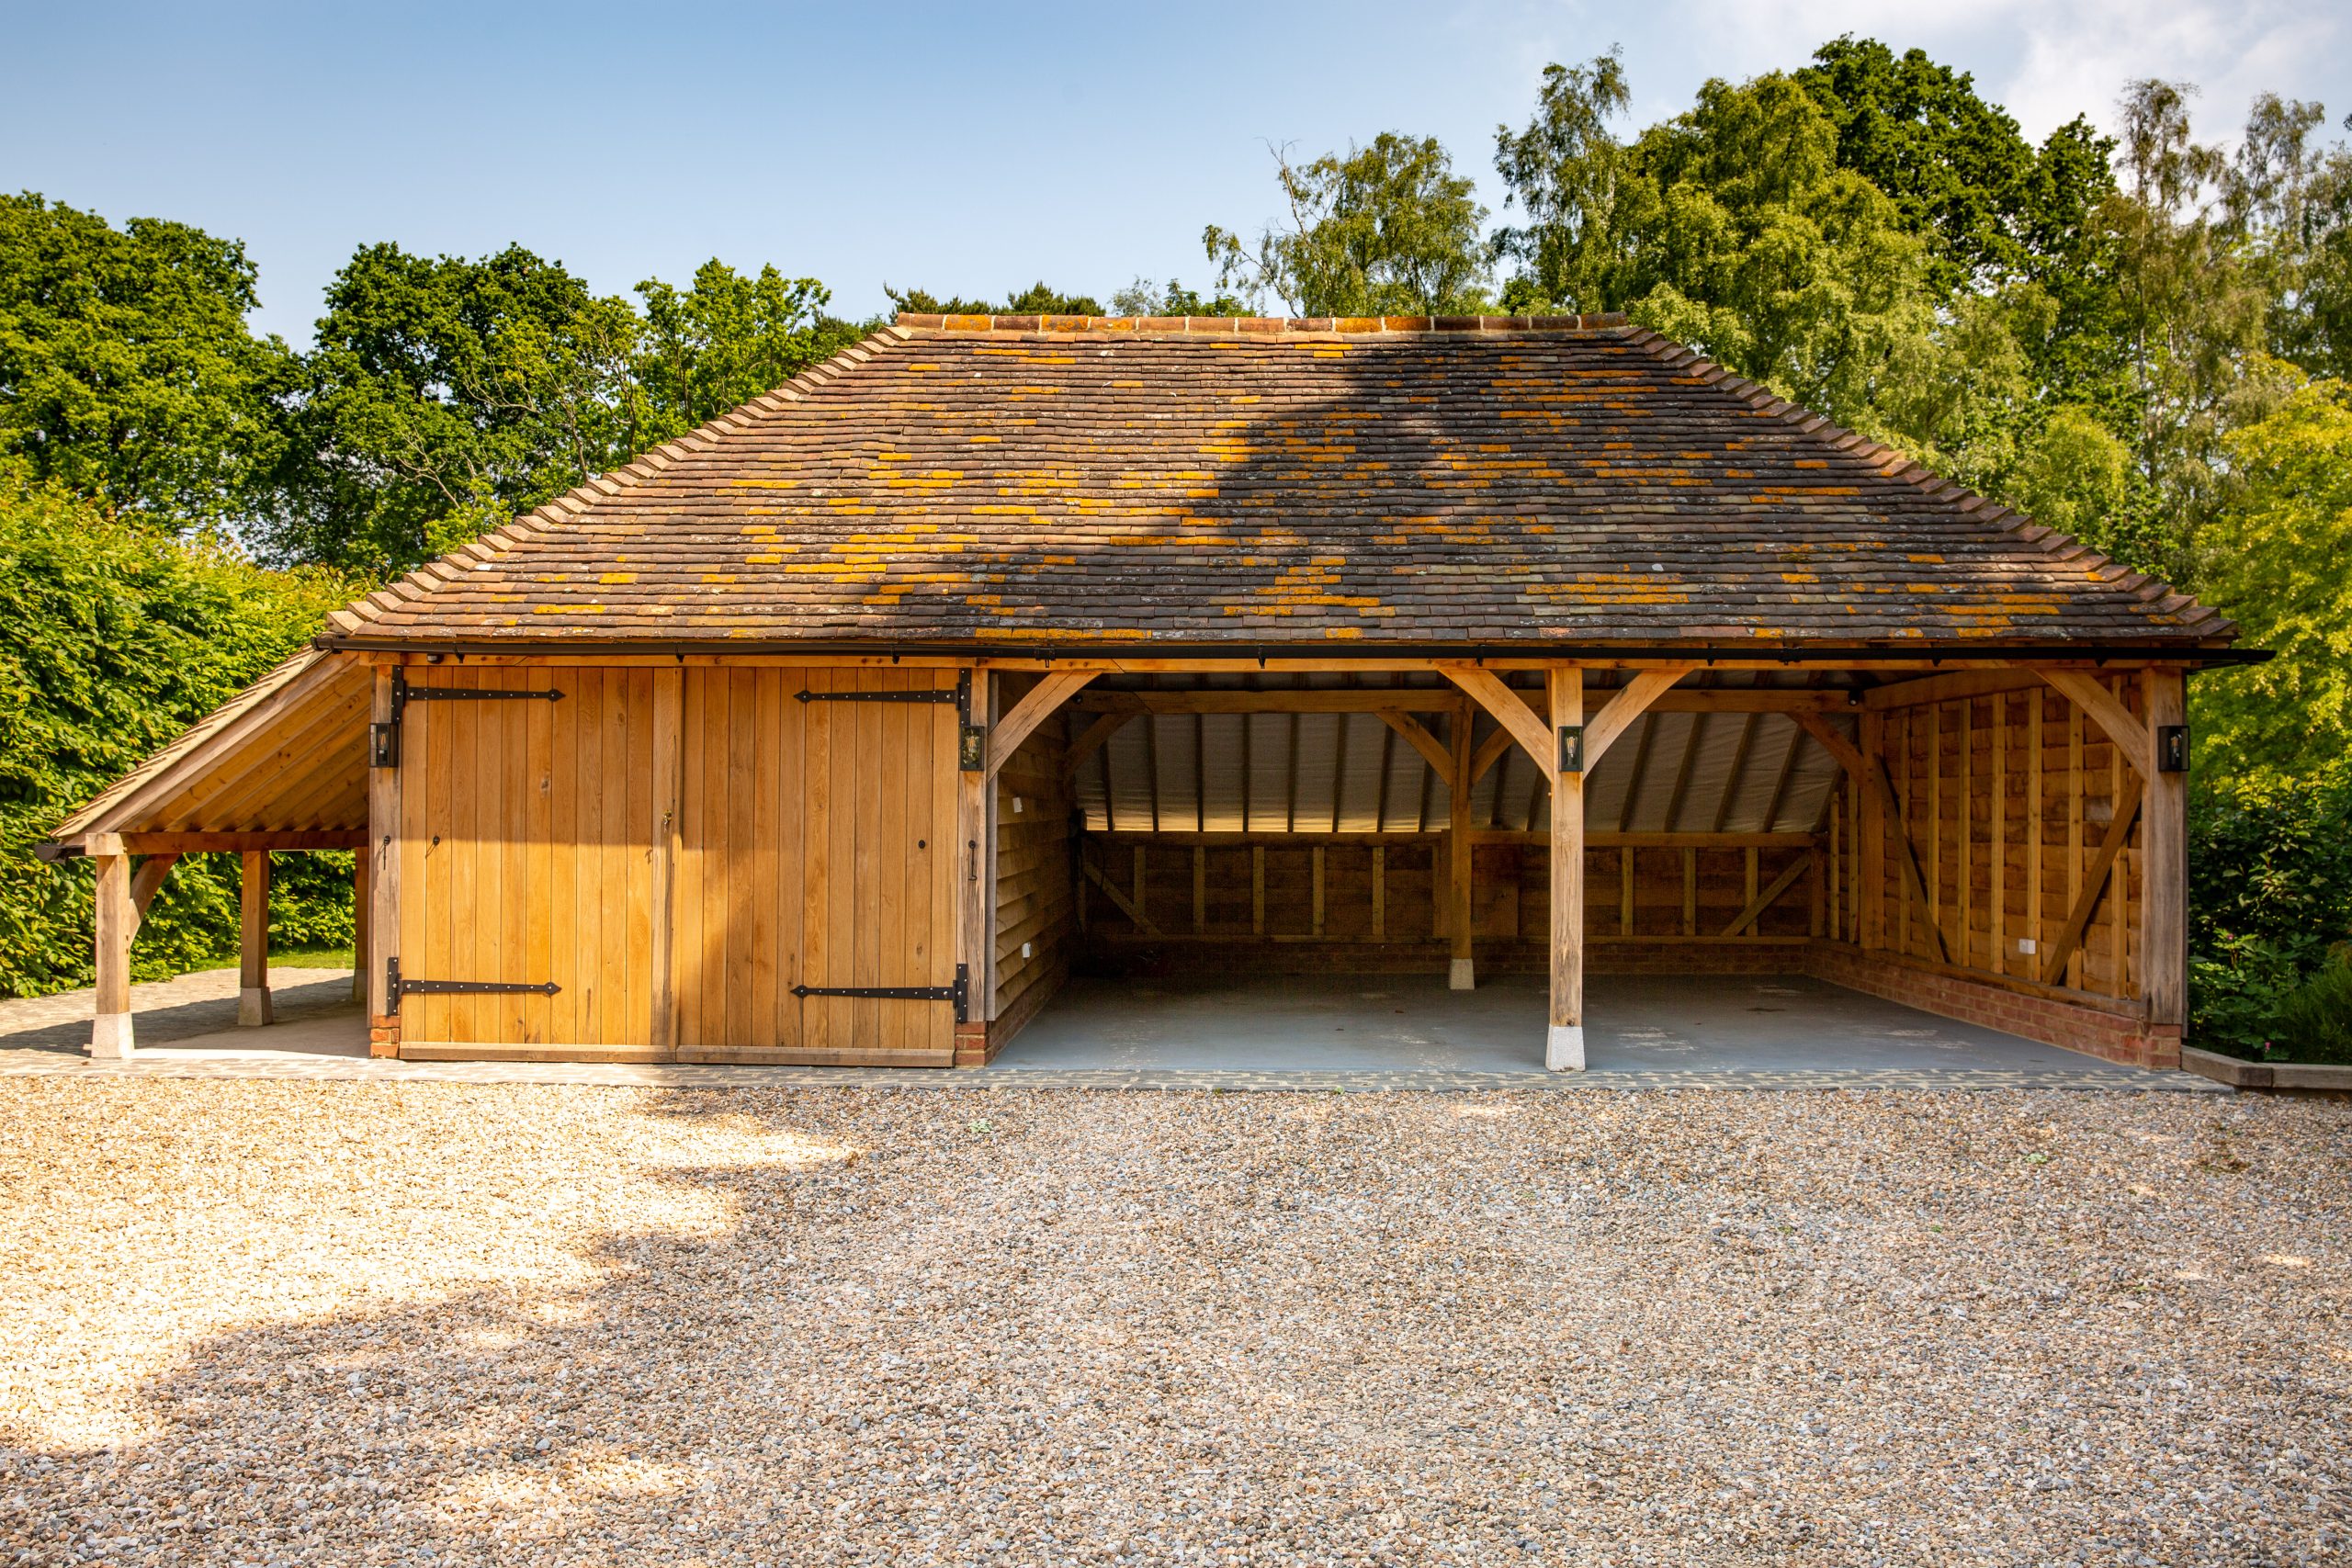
(1869,835)
(1461,974)
(1564,1041)
(253,943)
(2164,866)
(359,926)
(382,855)
(110,1034)
(973,819)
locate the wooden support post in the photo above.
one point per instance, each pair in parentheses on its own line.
(974,893)
(1870,833)
(359,926)
(382,855)
(1460,974)
(1379,894)
(118,917)
(2164,860)
(253,942)
(1564,1041)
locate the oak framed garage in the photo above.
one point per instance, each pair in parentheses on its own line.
(839,730)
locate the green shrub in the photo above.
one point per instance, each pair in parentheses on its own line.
(112,641)
(2314,1021)
(2270,895)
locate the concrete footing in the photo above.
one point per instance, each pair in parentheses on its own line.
(110,1037)
(253,1006)
(1564,1048)
(1459,975)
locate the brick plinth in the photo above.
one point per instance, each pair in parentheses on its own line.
(384,1034)
(2116,1034)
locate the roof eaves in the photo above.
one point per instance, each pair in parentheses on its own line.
(2199,621)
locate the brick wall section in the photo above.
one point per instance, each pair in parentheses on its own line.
(2110,1035)
(384,1034)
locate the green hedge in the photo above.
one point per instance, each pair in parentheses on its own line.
(2270,910)
(113,641)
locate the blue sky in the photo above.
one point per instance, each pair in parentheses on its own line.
(961,150)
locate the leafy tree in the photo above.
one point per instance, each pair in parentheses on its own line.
(2279,559)
(1040,298)
(113,639)
(2290,204)
(1145,297)
(125,368)
(1567,171)
(1749,242)
(1389,229)
(444,397)
(727,339)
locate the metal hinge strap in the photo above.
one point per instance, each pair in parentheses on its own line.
(959,993)
(395,986)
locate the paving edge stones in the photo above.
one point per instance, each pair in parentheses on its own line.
(346,1070)
(2239,1073)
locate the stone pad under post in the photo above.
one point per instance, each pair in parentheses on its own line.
(1564,1048)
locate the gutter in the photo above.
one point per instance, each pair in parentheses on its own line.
(1337,653)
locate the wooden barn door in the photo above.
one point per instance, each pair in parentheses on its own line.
(532,856)
(816,857)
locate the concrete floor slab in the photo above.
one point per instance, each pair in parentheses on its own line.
(1413,1023)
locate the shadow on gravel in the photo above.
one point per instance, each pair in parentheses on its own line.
(944,1327)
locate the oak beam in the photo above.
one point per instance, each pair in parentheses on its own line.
(1089,740)
(1508,707)
(2095,881)
(1891,807)
(1123,903)
(1770,896)
(145,883)
(1849,755)
(1050,691)
(1647,690)
(2091,695)
(1433,749)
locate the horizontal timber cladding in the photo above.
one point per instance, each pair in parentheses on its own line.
(678,850)
(2008,797)
(816,850)
(1033,891)
(1372,899)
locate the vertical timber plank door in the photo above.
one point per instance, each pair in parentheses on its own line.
(530,848)
(823,864)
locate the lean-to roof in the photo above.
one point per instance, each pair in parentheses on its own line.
(1067,484)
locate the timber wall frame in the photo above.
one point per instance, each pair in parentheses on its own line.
(1982,806)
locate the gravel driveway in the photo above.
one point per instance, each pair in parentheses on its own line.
(257,1321)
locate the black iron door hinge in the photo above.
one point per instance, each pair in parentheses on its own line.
(395,986)
(384,739)
(971,740)
(959,993)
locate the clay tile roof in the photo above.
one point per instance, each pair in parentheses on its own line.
(987,483)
